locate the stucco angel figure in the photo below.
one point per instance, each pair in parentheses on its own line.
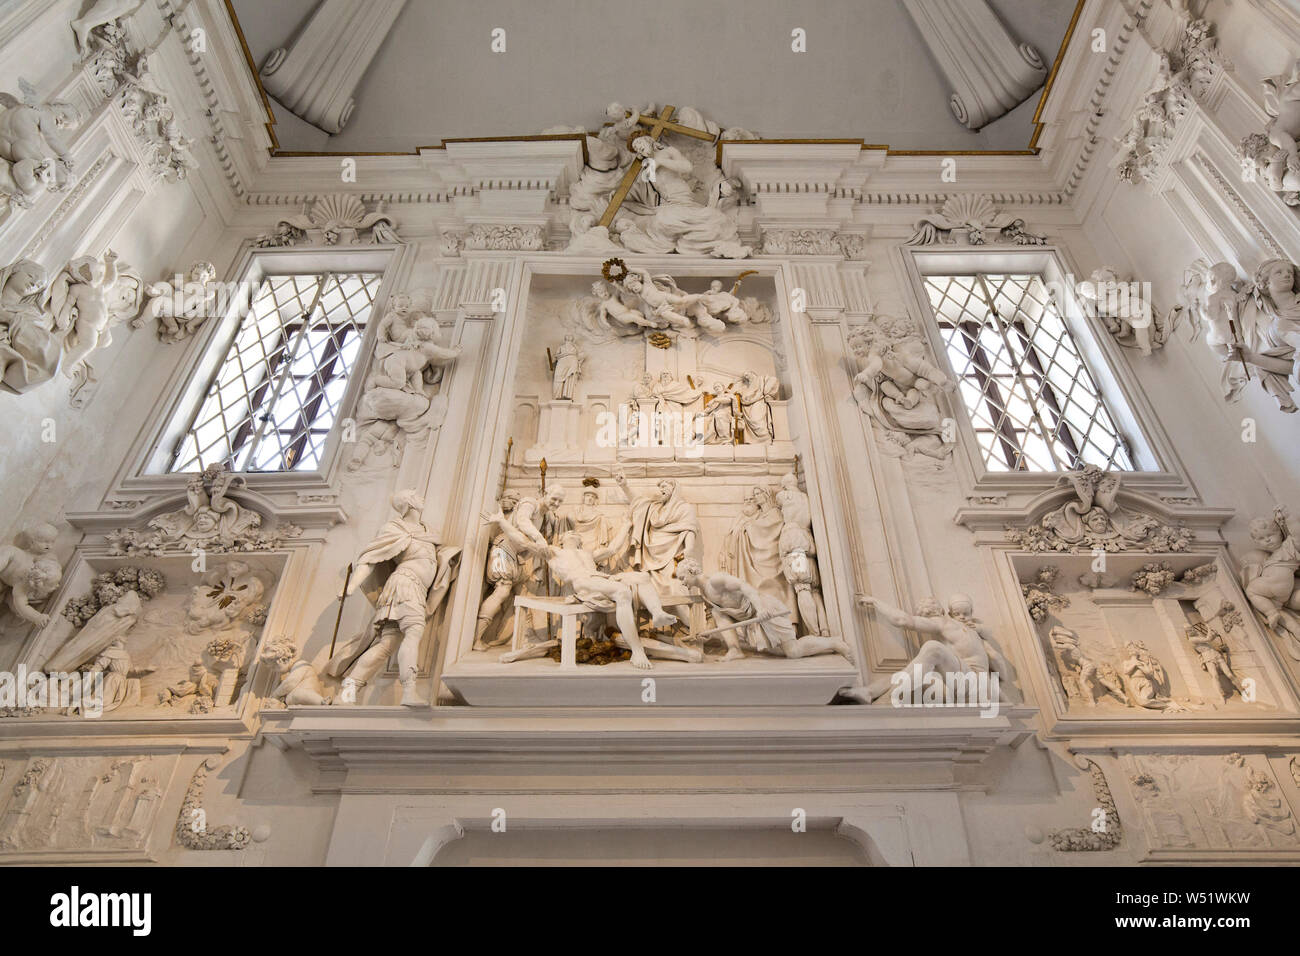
(29,346)
(1268,574)
(297,684)
(1238,329)
(416,573)
(181,310)
(758,620)
(721,304)
(899,387)
(29,574)
(87,297)
(1273,156)
(1127,315)
(611,310)
(667,217)
(410,357)
(33,154)
(667,303)
(959,644)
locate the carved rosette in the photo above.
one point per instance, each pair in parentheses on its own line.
(192,830)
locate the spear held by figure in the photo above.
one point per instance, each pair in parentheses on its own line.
(343,596)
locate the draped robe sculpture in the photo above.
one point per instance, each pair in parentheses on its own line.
(659,527)
(419,575)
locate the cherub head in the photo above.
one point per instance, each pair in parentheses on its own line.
(65,115)
(600,290)
(1255,153)
(279,651)
(929,607)
(43,578)
(400,304)
(961,605)
(39,538)
(203,272)
(643,146)
(715,285)
(236,569)
(89,270)
(1266,533)
(427,329)
(689,572)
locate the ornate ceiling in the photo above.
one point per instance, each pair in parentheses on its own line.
(867,73)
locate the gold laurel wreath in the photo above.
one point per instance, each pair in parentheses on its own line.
(614,270)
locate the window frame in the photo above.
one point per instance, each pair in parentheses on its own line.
(1157,466)
(283,355)
(145,469)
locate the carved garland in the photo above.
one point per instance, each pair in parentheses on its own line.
(192,831)
(1086,839)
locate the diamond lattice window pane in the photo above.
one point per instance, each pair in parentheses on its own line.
(1033,404)
(276,395)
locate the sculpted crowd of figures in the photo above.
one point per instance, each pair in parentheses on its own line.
(766,600)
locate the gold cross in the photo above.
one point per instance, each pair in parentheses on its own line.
(656,125)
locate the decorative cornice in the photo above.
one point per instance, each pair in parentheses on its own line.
(1239,204)
(1097,102)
